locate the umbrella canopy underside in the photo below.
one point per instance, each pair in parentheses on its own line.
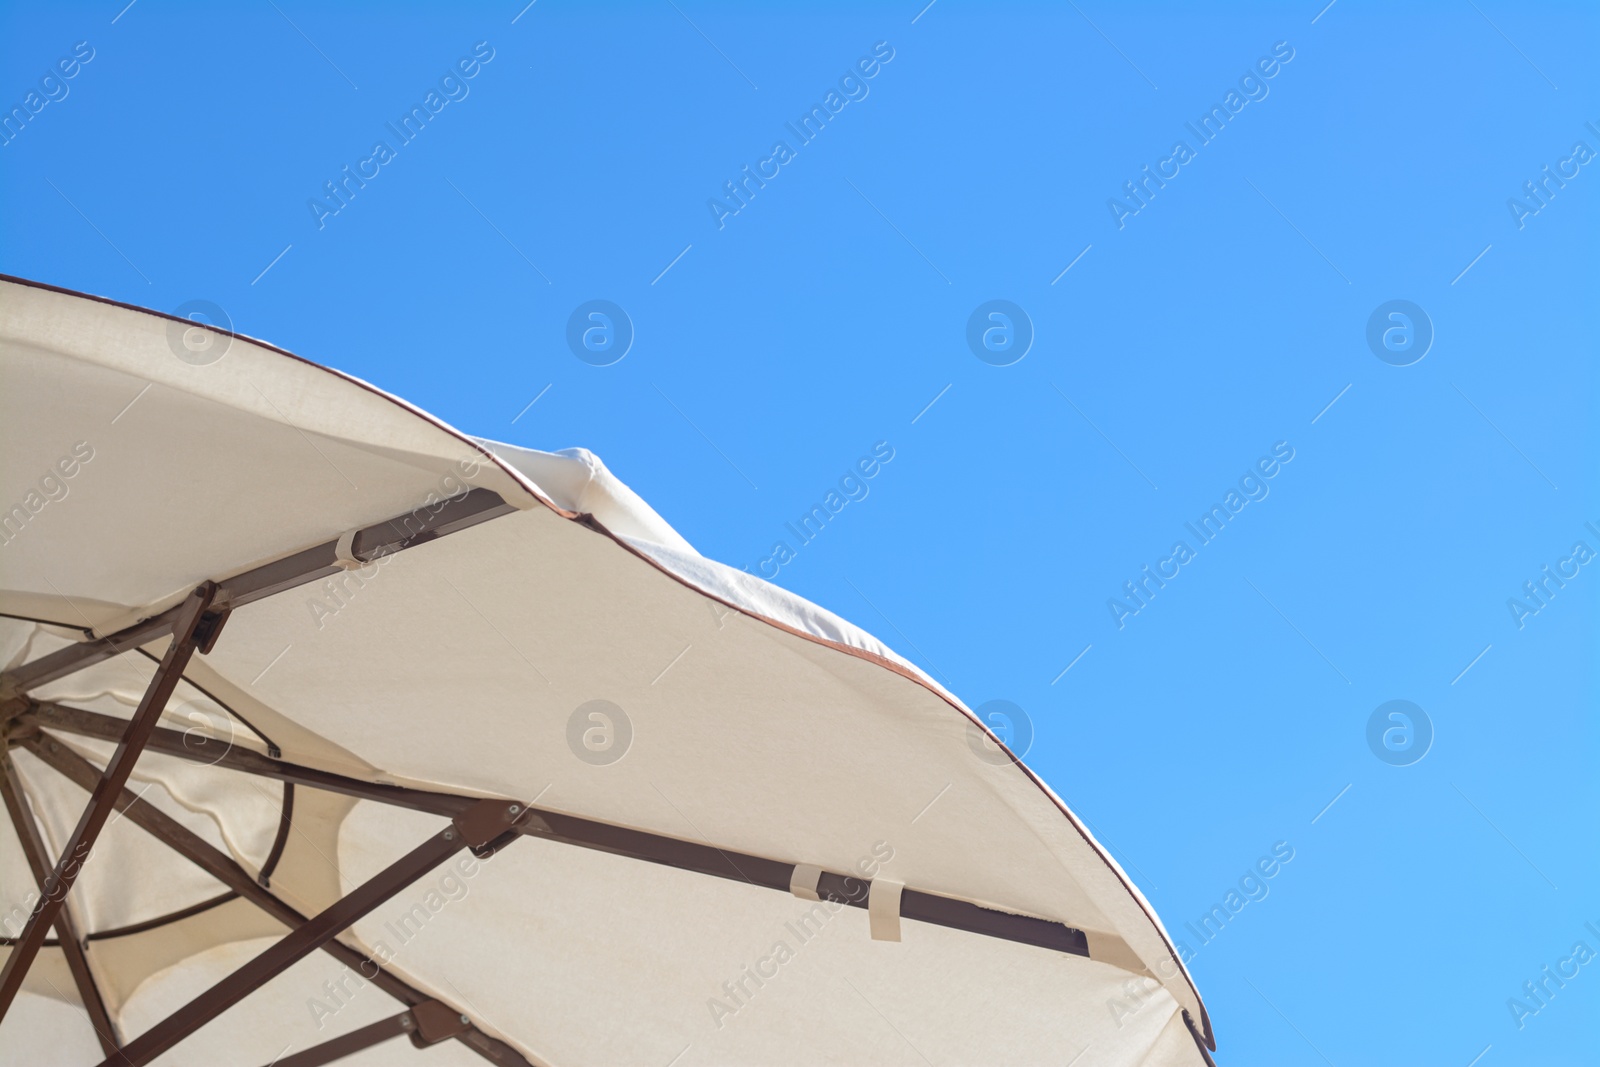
(759,732)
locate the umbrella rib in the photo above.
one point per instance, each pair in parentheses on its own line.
(425,523)
(281,841)
(201,749)
(33,847)
(338,1048)
(951,912)
(233,713)
(299,943)
(427,1023)
(162,920)
(697,829)
(188,637)
(575,830)
(222,867)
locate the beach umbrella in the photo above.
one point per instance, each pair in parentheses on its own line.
(332,731)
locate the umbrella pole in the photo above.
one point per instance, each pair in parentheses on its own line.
(224,869)
(33,847)
(188,636)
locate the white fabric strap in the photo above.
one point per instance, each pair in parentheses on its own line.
(803,882)
(344,553)
(883,909)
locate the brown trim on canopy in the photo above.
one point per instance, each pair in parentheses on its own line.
(13,683)
(311,564)
(267,346)
(913,675)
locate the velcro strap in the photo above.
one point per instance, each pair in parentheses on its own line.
(883,909)
(803,881)
(344,553)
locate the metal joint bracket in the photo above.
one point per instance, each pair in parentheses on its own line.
(11,709)
(436,1022)
(486,821)
(533,823)
(209,629)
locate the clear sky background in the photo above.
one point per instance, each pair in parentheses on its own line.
(1168,355)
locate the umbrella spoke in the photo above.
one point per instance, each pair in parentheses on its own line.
(222,867)
(426,1024)
(213,752)
(33,847)
(477,828)
(702,858)
(424,524)
(348,1044)
(189,636)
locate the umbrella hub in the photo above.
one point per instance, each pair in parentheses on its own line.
(14,729)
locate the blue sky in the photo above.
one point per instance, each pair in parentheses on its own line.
(1172,349)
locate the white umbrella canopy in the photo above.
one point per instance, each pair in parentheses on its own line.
(330,728)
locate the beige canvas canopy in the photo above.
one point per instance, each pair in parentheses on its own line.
(329,728)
